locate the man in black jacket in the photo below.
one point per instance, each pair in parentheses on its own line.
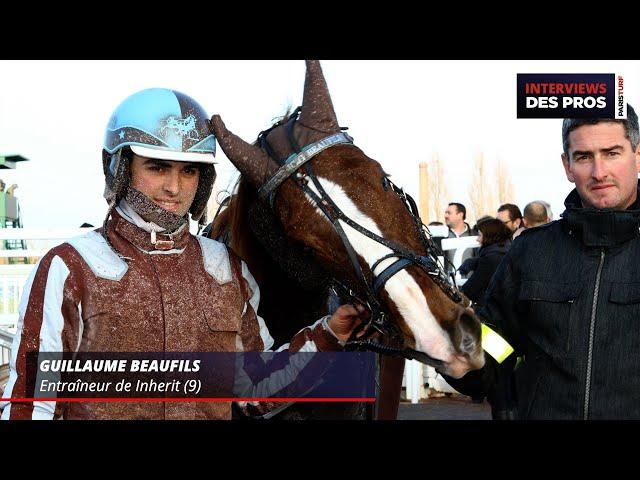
(567,295)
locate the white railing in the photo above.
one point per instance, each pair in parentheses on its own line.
(12,280)
(61,234)
(6,338)
(13,276)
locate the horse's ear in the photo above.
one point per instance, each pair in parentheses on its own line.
(317,109)
(252,162)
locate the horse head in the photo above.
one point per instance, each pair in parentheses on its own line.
(429,320)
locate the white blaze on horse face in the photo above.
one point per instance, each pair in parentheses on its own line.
(402,288)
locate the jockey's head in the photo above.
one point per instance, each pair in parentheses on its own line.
(161,124)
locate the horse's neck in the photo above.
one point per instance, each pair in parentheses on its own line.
(285,306)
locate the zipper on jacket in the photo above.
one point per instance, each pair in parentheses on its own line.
(592,327)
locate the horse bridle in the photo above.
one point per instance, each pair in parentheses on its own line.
(429,263)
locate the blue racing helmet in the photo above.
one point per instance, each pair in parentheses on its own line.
(164,124)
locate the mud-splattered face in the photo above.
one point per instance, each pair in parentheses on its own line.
(170,185)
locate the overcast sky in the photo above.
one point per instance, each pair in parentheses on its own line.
(399,112)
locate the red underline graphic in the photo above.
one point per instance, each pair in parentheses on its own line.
(110,399)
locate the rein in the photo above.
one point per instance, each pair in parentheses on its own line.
(298,163)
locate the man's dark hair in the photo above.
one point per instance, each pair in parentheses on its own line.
(494,231)
(536,213)
(514,211)
(630,125)
(461,208)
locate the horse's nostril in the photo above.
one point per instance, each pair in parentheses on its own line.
(468,344)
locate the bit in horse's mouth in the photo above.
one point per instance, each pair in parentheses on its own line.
(422,357)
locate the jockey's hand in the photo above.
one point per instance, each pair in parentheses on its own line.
(346,319)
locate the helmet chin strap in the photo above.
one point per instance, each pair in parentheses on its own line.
(116,168)
(151,212)
(117,178)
